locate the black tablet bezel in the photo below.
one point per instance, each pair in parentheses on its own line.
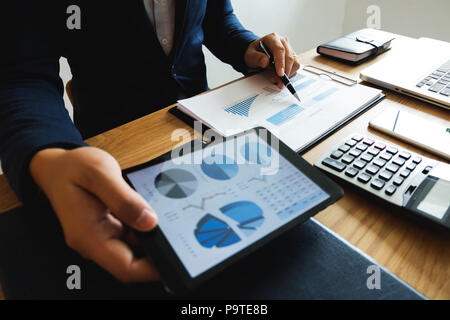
(158,249)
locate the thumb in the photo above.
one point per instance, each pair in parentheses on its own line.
(256,59)
(125,203)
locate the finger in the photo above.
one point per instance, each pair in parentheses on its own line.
(257,59)
(117,258)
(280,84)
(289,56)
(98,239)
(275,79)
(108,185)
(295,67)
(130,238)
(277,48)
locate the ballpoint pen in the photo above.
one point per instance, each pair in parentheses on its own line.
(284,78)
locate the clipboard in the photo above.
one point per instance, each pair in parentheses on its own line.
(314,136)
(190,122)
(324,74)
(331,75)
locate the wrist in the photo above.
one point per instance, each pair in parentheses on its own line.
(43,166)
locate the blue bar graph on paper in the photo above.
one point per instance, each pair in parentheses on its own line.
(304,84)
(285,114)
(242,108)
(296,78)
(325,94)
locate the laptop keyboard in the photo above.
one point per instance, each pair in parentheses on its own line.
(438,81)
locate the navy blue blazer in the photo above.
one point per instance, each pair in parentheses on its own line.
(120,71)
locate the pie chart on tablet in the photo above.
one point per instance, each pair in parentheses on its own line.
(176,183)
(219,167)
(214,232)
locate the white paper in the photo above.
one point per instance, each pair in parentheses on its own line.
(255,101)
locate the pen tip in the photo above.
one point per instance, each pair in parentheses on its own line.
(298,98)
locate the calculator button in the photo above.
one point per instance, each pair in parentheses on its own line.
(361,147)
(355,153)
(351,143)
(427,170)
(398,181)
(358,137)
(386,156)
(351,172)
(367,157)
(368,141)
(417,160)
(405,173)
(392,168)
(344,148)
(386,175)
(380,146)
(379,162)
(399,161)
(390,190)
(359,164)
(372,169)
(411,166)
(405,155)
(364,177)
(347,159)
(334,164)
(373,151)
(377,184)
(392,150)
(337,154)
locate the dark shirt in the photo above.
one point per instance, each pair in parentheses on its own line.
(120,71)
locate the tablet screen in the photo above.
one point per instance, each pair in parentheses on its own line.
(215,202)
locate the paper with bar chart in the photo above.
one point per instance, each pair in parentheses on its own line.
(254,101)
(211,210)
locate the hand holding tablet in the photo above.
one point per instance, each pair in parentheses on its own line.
(218,202)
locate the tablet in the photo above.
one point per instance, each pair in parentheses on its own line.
(218,202)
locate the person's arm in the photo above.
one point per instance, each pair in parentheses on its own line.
(41,149)
(233,44)
(225,36)
(32,113)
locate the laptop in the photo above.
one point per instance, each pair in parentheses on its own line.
(418,67)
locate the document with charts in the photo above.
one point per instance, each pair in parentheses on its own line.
(254,101)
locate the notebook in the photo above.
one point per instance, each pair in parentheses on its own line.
(308,262)
(358,46)
(254,101)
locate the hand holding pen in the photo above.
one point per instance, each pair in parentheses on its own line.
(284,78)
(284,57)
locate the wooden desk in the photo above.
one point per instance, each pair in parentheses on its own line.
(417,254)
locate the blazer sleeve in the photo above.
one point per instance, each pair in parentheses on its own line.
(225,36)
(32,112)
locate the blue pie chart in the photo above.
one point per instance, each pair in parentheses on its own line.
(213,232)
(219,167)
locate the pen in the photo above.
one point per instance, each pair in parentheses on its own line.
(284,78)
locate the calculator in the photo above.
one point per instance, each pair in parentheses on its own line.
(403,178)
